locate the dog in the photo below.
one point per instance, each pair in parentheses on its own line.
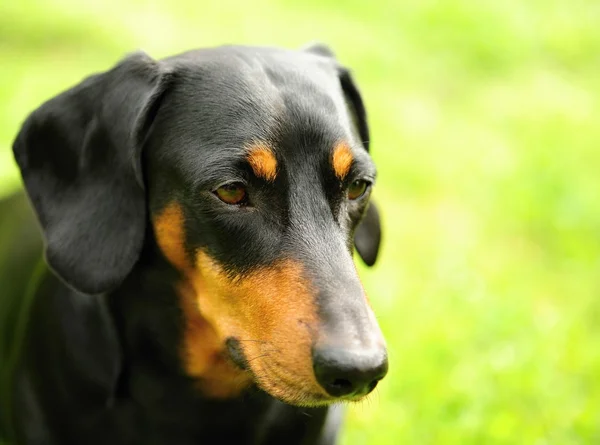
(197,217)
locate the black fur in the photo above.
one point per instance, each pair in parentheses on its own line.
(99,363)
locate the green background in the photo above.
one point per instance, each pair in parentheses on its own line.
(486,130)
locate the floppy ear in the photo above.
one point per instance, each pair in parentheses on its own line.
(354,101)
(79,155)
(367,236)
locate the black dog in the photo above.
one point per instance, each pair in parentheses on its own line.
(198,217)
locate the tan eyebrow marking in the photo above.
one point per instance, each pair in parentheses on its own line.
(263,162)
(342,159)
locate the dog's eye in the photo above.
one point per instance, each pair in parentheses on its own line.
(232,193)
(357,189)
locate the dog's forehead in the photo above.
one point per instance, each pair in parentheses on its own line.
(234,96)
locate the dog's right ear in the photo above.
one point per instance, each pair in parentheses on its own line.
(80,159)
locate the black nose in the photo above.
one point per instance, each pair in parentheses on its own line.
(346,372)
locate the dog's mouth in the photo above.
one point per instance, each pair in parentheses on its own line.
(236,354)
(274,338)
(281,383)
(274,379)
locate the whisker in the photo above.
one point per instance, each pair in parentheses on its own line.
(268,341)
(257,357)
(261,343)
(249,340)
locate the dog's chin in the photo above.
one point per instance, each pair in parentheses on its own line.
(281,384)
(298,394)
(292,393)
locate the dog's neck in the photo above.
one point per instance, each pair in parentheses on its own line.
(151,328)
(150,324)
(131,388)
(155,318)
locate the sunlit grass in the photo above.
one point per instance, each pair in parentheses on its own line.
(484,120)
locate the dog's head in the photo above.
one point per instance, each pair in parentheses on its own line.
(250,167)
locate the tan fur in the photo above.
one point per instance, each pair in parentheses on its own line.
(201,350)
(271,311)
(341,160)
(263,161)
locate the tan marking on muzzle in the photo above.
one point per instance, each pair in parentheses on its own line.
(201,349)
(271,311)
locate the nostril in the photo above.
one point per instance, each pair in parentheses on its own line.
(336,382)
(341,386)
(343,372)
(372,385)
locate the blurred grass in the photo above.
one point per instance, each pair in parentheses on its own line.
(484,121)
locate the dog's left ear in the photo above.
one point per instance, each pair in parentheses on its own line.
(354,101)
(79,155)
(367,236)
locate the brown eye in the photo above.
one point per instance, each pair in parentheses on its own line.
(232,193)
(357,189)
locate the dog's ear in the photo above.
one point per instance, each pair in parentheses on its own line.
(367,236)
(354,101)
(356,105)
(80,159)
(319,48)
